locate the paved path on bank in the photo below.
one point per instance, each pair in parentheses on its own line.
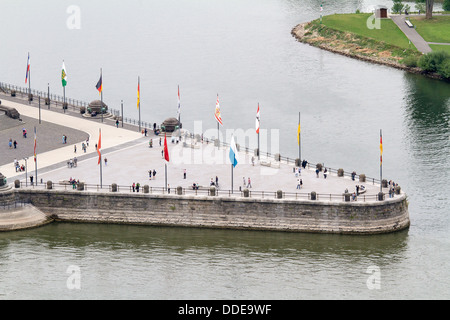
(411,33)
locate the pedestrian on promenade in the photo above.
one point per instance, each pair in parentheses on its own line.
(154,173)
(325,172)
(249,185)
(74,148)
(357,190)
(160,141)
(137,187)
(106,162)
(10,143)
(353,175)
(150,174)
(184,174)
(253,161)
(31,180)
(15,144)
(168,188)
(317,173)
(24,132)
(217,182)
(75,160)
(298,183)
(150,143)
(117,123)
(133,186)
(145,131)
(243,182)
(87,141)
(301,183)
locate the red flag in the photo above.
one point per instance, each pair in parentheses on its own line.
(166,150)
(99,146)
(34,144)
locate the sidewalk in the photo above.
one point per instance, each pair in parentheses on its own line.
(411,33)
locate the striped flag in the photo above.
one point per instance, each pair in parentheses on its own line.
(34,144)
(64,75)
(217,111)
(233,153)
(381,148)
(139,94)
(99,85)
(258,120)
(99,146)
(28,68)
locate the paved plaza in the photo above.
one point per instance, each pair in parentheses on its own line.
(129,160)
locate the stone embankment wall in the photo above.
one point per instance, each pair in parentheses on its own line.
(222,212)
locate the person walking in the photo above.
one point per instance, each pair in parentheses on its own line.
(74,148)
(150,174)
(298,183)
(15,144)
(301,183)
(154,174)
(249,185)
(325,172)
(117,123)
(184,174)
(106,162)
(133,186)
(10,143)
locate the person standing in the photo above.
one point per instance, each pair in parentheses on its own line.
(106,162)
(133,186)
(15,144)
(74,148)
(298,183)
(184,174)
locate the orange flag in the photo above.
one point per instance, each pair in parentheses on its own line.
(99,146)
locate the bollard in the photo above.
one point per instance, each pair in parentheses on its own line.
(340,172)
(313,195)
(384,183)
(277,157)
(347,196)
(146,188)
(397,190)
(80,186)
(380,196)
(362,177)
(279,194)
(256,152)
(49,185)
(246,193)
(179,190)
(30,97)
(298,162)
(114,187)
(212,191)
(17,184)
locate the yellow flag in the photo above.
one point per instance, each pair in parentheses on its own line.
(298,134)
(138,95)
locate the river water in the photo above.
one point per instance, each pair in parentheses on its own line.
(243,51)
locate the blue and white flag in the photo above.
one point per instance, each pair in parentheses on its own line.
(233,153)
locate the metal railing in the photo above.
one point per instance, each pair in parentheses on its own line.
(202,191)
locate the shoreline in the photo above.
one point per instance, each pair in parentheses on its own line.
(301,35)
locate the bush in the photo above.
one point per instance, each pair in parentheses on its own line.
(444,69)
(410,61)
(431,61)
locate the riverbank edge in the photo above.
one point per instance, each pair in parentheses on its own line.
(300,34)
(215,212)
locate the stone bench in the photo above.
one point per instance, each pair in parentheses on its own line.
(409,24)
(275,164)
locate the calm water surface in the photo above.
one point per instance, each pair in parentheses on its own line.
(243,51)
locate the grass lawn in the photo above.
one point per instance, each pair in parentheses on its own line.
(433,30)
(436,47)
(357,23)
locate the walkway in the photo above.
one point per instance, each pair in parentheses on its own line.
(411,33)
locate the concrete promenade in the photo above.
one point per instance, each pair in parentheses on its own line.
(129,160)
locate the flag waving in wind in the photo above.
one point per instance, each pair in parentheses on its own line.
(34,144)
(139,94)
(233,153)
(99,85)
(217,112)
(64,75)
(166,149)
(99,146)
(28,68)
(258,120)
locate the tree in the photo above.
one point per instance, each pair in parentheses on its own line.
(420,5)
(429,8)
(446,5)
(398,6)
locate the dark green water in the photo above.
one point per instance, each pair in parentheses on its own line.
(242,50)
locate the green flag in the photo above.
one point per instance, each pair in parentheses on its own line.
(64,75)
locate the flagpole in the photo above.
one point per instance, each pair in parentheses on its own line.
(165,167)
(232,174)
(100,157)
(101,98)
(381,162)
(35,157)
(139,104)
(29,83)
(259,128)
(64,100)
(299,140)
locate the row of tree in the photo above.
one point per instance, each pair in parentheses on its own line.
(421,5)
